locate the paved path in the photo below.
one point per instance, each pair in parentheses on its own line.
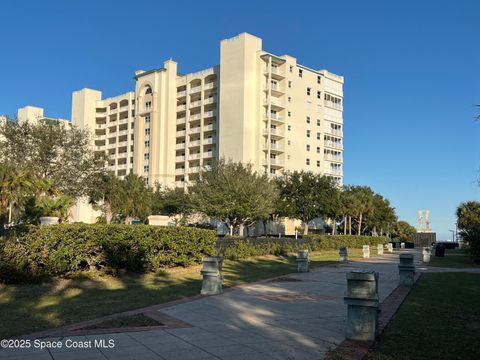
(301,316)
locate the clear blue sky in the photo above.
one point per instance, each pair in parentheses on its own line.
(412,74)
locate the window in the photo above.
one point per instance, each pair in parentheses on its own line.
(308,133)
(318,149)
(318,136)
(146,168)
(147,144)
(319,79)
(147,131)
(289,127)
(291,68)
(318,163)
(289,113)
(148,91)
(289,99)
(288,142)
(148,104)
(318,122)
(289,84)
(273,171)
(146,156)
(308,119)
(300,72)
(319,95)
(308,147)
(147,119)
(308,161)
(308,91)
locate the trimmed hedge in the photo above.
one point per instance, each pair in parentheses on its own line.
(34,252)
(238,248)
(50,250)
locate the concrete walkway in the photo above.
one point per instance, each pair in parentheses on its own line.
(299,316)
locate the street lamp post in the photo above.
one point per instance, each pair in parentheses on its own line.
(453,235)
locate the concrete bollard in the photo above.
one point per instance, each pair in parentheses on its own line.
(380,249)
(426,254)
(343,252)
(402,245)
(406,269)
(366,251)
(362,301)
(390,247)
(212,275)
(303,261)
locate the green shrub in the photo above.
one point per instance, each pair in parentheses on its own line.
(34,252)
(238,248)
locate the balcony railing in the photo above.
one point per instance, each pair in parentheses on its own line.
(210,100)
(180,158)
(209,127)
(337,132)
(181,107)
(193,156)
(181,120)
(334,145)
(181,93)
(208,141)
(194,130)
(194,143)
(180,146)
(210,85)
(208,154)
(179,171)
(333,158)
(195,89)
(181,133)
(195,117)
(195,103)
(208,114)
(275,147)
(276,132)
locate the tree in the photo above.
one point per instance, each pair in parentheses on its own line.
(359,204)
(306,196)
(383,216)
(234,193)
(403,231)
(468,214)
(103,191)
(171,202)
(51,150)
(132,199)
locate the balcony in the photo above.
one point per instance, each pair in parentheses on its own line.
(208,154)
(181,120)
(101,126)
(194,104)
(334,105)
(195,117)
(334,145)
(122,155)
(121,167)
(122,143)
(336,132)
(194,169)
(194,143)
(209,114)
(274,147)
(273,162)
(210,85)
(112,146)
(180,158)
(123,132)
(99,148)
(209,127)
(333,171)
(275,89)
(333,158)
(179,171)
(194,130)
(182,107)
(210,100)
(180,146)
(208,141)
(273,132)
(181,94)
(123,121)
(195,89)
(193,156)
(100,137)
(101,115)
(274,117)
(180,133)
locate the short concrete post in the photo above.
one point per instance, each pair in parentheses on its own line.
(362,301)
(212,275)
(402,245)
(343,252)
(303,261)
(406,269)
(366,251)
(426,254)
(380,249)
(390,247)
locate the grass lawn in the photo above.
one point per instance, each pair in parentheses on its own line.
(454,258)
(32,307)
(439,320)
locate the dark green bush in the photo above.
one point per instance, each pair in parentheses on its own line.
(237,248)
(34,252)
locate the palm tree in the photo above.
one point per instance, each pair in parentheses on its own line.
(468,214)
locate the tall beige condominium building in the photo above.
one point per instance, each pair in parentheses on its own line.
(254,107)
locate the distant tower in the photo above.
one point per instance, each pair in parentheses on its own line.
(420,221)
(427,221)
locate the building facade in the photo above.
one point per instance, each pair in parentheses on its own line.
(253,107)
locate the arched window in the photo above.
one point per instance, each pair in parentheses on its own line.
(148,91)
